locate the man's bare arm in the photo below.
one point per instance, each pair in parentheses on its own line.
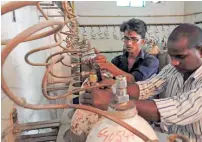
(147,109)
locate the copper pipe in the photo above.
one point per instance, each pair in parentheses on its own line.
(67,13)
(57,88)
(46,17)
(55,37)
(22,102)
(51,56)
(40,49)
(18,39)
(68,9)
(60,53)
(71,65)
(38,36)
(44,86)
(35,37)
(56,40)
(56,82)
(10,6)
(41,10)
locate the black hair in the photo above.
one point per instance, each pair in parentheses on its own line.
(190,31)
(136,25)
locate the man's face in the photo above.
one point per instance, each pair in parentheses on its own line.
(132,41)
(184,59)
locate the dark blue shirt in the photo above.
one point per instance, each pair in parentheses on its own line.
(144,67)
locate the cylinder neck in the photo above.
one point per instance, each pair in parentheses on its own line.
(120,90)
(121,106)
(123,110)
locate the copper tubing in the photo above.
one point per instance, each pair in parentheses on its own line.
(56,40)
(14,42)
(46,17)
(59,53)
(67,13)
(4,41)
(22,102)
(40,49)
(71,65)
(68,9)
(10,6)
(44,86)
(56,82)
(38,36)
(41,10)
(57,88)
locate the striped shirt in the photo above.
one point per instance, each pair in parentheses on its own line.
(180,103)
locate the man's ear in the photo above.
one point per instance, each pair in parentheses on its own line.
(143,42)
(200,50)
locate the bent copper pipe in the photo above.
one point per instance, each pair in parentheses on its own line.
(44,86)
(17,40)
(38,36)
(61,81)
(10,6)
(59,53)
(56,40)
(46,17)
(40,49)
(22,102)
(57,89)
(35,37)
(74,23)
(71,65)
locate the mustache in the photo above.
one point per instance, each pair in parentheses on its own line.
(128,47)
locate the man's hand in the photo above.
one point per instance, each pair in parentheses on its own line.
(116,71)
(96,58)
(109,67)
(97,97)
(100,59)
(108,81)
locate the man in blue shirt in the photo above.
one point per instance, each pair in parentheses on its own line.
(134,63)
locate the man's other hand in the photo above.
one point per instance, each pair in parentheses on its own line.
(98,98)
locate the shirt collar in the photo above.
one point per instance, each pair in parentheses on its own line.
(198,73)
(140,56)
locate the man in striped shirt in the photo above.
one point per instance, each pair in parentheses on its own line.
(180,83)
